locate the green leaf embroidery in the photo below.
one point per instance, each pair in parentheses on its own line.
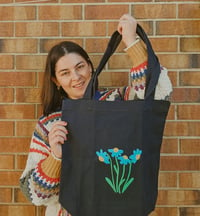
(127,184)
(110,183)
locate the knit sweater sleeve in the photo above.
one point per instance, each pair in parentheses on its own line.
(41,178)
(138,54)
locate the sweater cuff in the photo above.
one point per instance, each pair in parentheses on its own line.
(137,53)
(51,167)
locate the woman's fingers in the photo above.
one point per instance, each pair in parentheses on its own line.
(57,136)
(127,28)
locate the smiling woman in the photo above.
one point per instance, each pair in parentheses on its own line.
(68,71)
(75,78)
(67,74)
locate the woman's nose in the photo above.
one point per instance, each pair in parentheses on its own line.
(75,75)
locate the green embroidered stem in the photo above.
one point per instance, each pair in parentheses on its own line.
(117,175)
(128,181)
(111,169)
(122,178)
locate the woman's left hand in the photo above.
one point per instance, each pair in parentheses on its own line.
(127,28)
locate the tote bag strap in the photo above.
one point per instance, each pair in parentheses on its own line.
(111,47)
(153,65)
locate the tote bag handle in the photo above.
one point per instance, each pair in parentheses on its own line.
(153,65)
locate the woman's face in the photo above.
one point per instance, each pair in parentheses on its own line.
(73,74)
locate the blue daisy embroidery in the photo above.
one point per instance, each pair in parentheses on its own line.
(121,167)
(103,156)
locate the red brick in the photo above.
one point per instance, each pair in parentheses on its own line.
(164,44)
(9,178)
(188,112)
(21,161)
(128,1)
(6,161)
(178,197)
(7,62)
(165,211)
(37,29)
(6,29)
(188,11)
(14,145)
(19,45)
(189,180)
(176,1)
(171,113)
(30,62)
(178,27)
(17,13)
(190,44)
(82,1)
(120,62)
(4,125)
(169,145)
(25,128)
(146,25)
(104,11)
(118,79)
(13,210)
(167,180)
(27,2)
(41,210)
(19,197)
(189,146)
(95,60)
(7,95)
(17,79)
(180,61)
(64,12)
(27,95)
(39,110)
(83,29)
(96,45)
(182,128)
(189,211)
(5,195)
(47,44)
(173,75)
(154,11)
(17,112)
(180,95)
(190,78)
(180,163)
(6,1)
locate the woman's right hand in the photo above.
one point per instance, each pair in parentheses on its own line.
(57,136)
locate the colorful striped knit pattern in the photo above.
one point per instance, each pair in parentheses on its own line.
(138,75)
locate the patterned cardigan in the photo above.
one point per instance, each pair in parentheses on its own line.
(41,177)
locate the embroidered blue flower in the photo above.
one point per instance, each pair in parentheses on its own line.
(103,156)
(124,160)
(115,152)
(135,156)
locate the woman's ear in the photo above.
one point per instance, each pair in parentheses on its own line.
(53,79)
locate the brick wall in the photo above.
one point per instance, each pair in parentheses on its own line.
(27,31)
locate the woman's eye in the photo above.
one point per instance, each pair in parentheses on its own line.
(80,66)
(65,73)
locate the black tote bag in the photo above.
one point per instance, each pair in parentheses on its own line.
(110,161)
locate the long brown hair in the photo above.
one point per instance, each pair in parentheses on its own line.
(51,96)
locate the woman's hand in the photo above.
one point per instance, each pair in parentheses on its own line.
(57,136)
(127,28)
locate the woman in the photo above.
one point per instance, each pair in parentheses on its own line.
(68,72)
